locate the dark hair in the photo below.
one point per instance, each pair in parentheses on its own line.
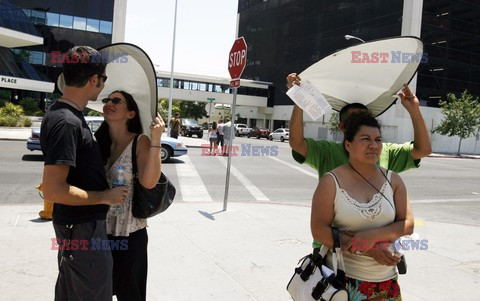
(214,125)
(82,62)
(356,121)
(344,111)
(134,125)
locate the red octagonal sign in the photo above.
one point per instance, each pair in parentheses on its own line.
(237,58)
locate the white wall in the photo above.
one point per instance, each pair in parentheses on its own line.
(396,127)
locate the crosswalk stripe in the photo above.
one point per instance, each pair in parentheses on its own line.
(254,191)
(308,173)
(191,185)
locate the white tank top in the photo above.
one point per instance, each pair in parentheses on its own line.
(350,215)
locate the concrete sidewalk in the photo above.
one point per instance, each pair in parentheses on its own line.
(249,252)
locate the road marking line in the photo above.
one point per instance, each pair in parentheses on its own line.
(16,221)
(442,201)
(308,173)
(191,185)
(254,191)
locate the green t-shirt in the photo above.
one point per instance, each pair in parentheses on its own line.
(325,156)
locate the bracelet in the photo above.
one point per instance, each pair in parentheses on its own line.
(159,146)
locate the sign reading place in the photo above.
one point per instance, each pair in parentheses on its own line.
(10,80)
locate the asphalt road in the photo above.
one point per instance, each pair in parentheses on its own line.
(442,189)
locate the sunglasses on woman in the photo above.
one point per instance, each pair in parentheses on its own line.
(114,100)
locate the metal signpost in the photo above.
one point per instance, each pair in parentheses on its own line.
(210,103)
(237,60)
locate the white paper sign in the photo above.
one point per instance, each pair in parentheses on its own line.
(309,99)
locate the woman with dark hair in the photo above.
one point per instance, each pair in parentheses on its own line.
(370,206)
(213,133)
(115,137)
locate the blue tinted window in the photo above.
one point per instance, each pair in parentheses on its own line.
(53,19)
(93,25)
(38,17)
(66,21)
(106,27)
(79,23)
(37,58)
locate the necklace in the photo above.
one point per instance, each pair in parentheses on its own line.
(388,201)
(71,102)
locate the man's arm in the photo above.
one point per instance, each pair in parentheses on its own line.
(296,141)
(421,141)
(56,190)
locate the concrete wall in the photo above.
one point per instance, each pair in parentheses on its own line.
(396,127)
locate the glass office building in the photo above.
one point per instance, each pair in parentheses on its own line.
(61,25)
(285,36)
(451,34)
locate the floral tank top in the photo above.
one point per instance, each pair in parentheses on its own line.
(120,220)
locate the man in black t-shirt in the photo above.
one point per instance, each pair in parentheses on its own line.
(74,180)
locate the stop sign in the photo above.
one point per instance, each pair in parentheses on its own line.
(237,58)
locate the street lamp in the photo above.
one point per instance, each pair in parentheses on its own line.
(170,99)
(348,37)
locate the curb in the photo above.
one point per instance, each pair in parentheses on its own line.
(14,139)
(454,157)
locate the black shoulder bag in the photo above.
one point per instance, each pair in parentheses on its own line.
(149,202)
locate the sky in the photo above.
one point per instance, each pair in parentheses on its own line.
(205,32)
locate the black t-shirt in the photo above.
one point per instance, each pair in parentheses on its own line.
(66,139)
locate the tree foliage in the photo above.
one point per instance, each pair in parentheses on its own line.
(187,109)
(30,105)
(195,110)
(332,124)
(461,116)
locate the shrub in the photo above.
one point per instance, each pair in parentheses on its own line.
(8,121)
(93,113)
(11,110)
(26,122)
(29,105)
(3,102)
(39,113)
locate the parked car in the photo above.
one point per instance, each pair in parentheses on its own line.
(170,147)
(259,133)
(280,134)
(191,127)
(33,143)
(242,129)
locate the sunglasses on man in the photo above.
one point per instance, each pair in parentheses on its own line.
(114,100)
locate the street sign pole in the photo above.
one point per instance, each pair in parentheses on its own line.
(230,140)
(210,101)
(237,60)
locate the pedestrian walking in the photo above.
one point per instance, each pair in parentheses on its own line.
(213,137)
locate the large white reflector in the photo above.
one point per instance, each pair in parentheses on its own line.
(355,75)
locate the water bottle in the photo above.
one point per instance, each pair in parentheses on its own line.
(119,180)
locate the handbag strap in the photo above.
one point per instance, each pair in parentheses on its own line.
(134,157)
(337,257)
